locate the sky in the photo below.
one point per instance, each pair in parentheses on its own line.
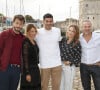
(60,9)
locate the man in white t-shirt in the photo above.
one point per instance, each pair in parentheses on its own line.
(48,39)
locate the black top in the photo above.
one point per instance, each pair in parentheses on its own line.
(30,56)
(70,52)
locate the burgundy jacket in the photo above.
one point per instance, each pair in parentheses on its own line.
(6,38)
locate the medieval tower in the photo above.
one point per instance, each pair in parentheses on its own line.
(90,9)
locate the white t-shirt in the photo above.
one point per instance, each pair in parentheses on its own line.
(48,42)
(90,50)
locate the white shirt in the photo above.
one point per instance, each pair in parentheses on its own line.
(49,52)
(90,50)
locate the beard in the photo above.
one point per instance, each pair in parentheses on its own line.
(17,29)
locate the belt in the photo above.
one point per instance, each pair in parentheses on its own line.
(14,65)
(96,64)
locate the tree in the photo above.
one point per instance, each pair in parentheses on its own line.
(1,14)
(1,17)
(29,19)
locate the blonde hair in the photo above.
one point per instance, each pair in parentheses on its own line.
(76,37)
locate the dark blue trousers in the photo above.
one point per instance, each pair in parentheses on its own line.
(86,73)
(9,79)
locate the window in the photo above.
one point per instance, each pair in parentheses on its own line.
(86,5)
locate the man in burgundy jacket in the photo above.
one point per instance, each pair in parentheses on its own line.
(10,54)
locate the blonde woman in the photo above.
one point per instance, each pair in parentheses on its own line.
(70,55)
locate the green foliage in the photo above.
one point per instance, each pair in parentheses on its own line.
(29,19)
(1,14)
(63,33)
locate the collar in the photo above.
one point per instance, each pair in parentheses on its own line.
(13,33)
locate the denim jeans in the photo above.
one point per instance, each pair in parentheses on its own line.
(9,79)
(87,72)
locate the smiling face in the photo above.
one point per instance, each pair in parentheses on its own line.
(71,32)
(32,33)
(18,22)
(48,23)
(17,25)
(87,27)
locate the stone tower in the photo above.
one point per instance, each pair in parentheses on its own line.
(90,9)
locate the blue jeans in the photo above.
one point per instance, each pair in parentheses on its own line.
(9,79)
(86,73)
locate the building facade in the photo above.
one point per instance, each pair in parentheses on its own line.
(63,25)
(89,9)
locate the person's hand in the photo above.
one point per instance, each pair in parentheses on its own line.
(28,78)
(67,62)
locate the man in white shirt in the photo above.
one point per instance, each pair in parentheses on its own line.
(90,60)
(48,39)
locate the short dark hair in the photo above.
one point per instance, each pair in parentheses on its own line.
(20,17)
(48,15)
